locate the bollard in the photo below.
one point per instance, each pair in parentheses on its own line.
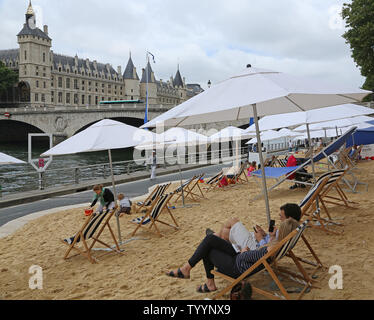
(104,172)
(41,181)
(76,175)
(128,168)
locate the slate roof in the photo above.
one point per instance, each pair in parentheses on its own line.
(70,61)
(144,76)
(178,82)
(27,31)
(129,71)
(11,54)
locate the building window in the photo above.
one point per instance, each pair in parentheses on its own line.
(25,55)
(82,99)
(43,57)
(44,85)
(89,100)
(52,96)
(75,98)
(36,97)
(132,97)
(68,98)
(60,82)
(59,69)
(96,100)
(43,97)
(60,97)
(75,84)
(68,83)
(37,83)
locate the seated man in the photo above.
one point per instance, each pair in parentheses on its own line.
(241,239)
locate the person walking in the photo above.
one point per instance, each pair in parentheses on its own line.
(153,161)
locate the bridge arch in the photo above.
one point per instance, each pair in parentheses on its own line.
(16,131)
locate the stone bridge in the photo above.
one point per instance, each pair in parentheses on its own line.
(64,122)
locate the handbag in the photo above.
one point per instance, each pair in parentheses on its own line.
(242,291)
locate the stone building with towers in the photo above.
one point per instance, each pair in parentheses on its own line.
(48,79)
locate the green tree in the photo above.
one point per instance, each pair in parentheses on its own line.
(359,18)
(7,77)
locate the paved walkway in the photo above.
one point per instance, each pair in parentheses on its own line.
(12,218)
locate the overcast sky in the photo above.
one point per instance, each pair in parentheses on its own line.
(211,39)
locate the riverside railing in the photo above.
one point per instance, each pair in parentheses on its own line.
(75,175)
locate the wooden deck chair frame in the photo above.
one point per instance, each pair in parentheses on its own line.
(213,182)
(269,263)
(153,196)
(87,251)
(189,189)
(341,199)
(345,162)
(154,213)
(239,177)
(185,185)
(312,208)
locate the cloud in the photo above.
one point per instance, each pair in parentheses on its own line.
(210,39)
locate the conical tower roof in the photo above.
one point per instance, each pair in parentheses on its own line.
(130,71)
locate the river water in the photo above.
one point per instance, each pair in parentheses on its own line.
(20,178)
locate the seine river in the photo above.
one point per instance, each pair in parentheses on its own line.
(19,178)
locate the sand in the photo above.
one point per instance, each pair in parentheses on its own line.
(139,272)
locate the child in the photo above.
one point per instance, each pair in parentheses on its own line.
(252,167)
(125,205)
(105,198)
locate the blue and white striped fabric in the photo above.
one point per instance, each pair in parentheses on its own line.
(163,200)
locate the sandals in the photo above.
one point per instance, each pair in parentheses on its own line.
(179,275)
(204,289)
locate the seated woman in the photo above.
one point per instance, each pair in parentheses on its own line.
(237,234)
(216,252)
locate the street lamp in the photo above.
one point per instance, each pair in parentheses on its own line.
(209,84)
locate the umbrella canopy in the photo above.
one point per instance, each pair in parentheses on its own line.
(230,134)
(175,137)
(266,136)
(291,120)
(287,133)
(104,135)
(5,159)
(330,133)
(255,93)
(340,123)
(273,92)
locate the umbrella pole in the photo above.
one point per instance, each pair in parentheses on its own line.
(264,186)
(115,195)
(312,154)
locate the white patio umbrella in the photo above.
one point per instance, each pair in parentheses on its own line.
(5,159)
(176,137)
(257,92)
(231,134)
(266,136)
(339,123)
(294,119)
(104,135)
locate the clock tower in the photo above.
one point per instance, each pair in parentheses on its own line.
(35,60)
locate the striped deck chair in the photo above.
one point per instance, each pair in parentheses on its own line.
(213,182)
(189,189)
(155,194)
(91,231)
(282,162)
(340,198)
(152,216)
(242,172)
(310,204)
(269,262)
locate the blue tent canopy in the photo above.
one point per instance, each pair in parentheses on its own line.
(362,137)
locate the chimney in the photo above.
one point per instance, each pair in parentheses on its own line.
(76,60)
(45,28)
(95,64)
(119,70)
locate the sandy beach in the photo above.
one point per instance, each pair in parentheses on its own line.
(139,272)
